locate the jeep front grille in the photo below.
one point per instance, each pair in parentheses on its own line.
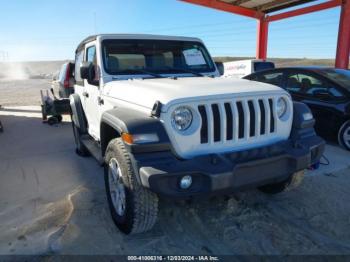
(237,120)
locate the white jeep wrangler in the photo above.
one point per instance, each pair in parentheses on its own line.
(155,113)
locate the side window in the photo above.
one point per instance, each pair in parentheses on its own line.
(62,73)
(78,60)
(92,57)
(312,86)
(271,78)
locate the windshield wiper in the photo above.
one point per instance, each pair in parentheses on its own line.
(142,72)
(183,70)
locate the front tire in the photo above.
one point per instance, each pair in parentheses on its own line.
(292,182)
(133,208)
(344,135)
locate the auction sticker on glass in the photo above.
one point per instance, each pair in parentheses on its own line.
(194,57)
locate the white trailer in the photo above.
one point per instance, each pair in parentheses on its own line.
(242,68)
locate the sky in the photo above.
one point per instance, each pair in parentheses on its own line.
(38,30)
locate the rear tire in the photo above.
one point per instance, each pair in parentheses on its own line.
(292,182)
(80,149)
(344,135)
(133,208)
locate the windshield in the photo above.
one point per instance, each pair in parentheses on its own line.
(135,57)
(340,76)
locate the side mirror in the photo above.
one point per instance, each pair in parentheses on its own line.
(87,71)
(220,67)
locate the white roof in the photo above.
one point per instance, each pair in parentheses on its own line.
(101,37)
(146,36)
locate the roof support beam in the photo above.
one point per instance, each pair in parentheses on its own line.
(222,6)
(305,10)
(239,2)
(275,3)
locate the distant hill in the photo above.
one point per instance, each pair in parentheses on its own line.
(29,70)
(46,69)
(282,62)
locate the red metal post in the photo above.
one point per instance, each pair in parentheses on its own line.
(262,37)
(343,49)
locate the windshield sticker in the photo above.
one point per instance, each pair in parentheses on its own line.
(194,57)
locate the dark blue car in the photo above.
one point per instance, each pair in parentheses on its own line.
(325,90)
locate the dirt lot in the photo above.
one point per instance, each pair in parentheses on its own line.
(52,201)
(28,91)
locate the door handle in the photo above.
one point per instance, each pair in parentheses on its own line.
(86,94)
(100,101)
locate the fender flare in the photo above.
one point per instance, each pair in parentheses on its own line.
(130,121)
(120,120)
(78,116)
(300,110)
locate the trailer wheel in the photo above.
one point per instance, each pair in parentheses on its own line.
(133,208)
(292,182)
(52,120)
(60,118)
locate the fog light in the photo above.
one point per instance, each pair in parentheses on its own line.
(186,182)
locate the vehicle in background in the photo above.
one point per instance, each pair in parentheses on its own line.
(65,80)
(242,68)
(325,90)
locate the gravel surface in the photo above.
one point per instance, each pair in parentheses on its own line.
(52,201)
(23,92)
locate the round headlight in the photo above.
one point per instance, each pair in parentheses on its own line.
(281,107)
(181,118)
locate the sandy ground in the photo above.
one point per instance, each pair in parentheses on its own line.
(53,202)
(23,92)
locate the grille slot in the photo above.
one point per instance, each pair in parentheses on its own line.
(241,120)
(236,120)
(217,122)
(229,125)
(252,118)
(263,117)
(204,128)
(272,122)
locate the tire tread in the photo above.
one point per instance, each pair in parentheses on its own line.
(145,202)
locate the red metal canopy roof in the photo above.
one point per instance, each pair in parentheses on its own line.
(267,6)
(262,9)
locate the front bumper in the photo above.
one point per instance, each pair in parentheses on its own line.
(225,173)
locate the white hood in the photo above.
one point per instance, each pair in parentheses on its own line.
(169,91)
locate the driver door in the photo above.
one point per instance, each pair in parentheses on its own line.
(91,94)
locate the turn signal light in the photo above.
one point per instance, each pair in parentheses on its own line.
(127,138)
(140,138)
